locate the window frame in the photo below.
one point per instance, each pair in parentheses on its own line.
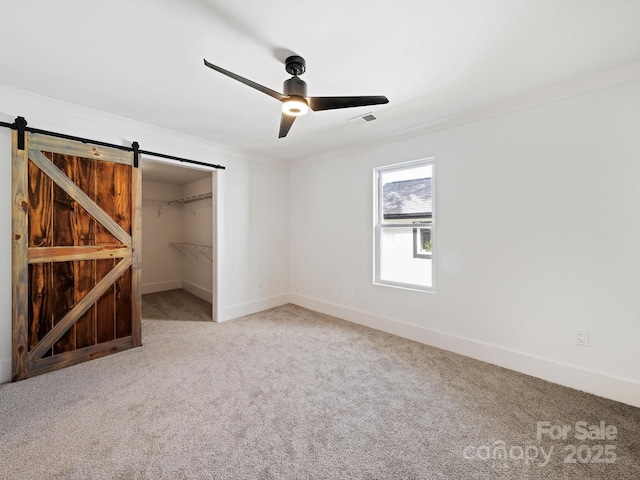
(379,225)
(418,252)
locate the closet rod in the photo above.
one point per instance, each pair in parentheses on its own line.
(20,124)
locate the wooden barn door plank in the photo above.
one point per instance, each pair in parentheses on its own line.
(19,265)
(105,199)
(85,252)
(85,269)
(122,214)
(40,222)
(62,286)
(77,149)
(49,364)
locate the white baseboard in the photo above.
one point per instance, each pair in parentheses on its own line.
(160,286)
(5,371)
(200,292)
(603,385)
(236,311)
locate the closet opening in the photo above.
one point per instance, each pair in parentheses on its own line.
(179,248)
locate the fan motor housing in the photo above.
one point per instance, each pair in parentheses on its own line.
(295,87)
(295,65)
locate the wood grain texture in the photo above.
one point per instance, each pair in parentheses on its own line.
(106,305)
(76,193)
(122,178)
(40,316)
(123,305)
(19,266)
(78,149)
(79,309)
(136,261)
(40,207)
(84,239)
(75,271)
(49,364)
(62,288)
(86,252)
(40,223)
(122,214)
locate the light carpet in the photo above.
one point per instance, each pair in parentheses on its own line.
(293,394)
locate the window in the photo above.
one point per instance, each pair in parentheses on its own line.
(422,242)
(404,225)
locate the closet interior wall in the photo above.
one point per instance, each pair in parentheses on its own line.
(167,227)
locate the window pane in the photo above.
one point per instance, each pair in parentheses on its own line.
(422,242)
(406,195)
(397,260)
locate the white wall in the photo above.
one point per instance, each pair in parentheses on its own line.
(537,235)
(244,214)
(161,264)
(255,262)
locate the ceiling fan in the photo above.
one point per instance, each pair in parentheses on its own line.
(294,100)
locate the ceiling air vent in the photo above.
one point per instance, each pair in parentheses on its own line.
(366,118)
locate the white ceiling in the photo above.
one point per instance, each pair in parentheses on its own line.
(177,174)
(142,59)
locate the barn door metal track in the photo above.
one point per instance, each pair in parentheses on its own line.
(20,124)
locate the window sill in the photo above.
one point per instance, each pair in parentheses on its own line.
(405,286)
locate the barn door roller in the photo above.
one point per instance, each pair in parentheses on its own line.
(21,126)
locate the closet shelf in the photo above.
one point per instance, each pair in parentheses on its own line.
(194,249)
(185,200)
(192,198)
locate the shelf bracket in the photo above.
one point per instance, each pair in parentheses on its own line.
(188,248)
(178,249)
(204,250)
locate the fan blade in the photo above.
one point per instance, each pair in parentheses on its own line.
(285,124)
(331,103)
(248,82)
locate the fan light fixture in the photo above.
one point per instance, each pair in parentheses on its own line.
(295,107)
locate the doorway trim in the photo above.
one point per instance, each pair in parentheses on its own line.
(214,203)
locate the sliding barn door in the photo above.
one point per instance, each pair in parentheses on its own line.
(76,239)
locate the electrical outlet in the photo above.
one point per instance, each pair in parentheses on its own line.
(582,337)
(260,283)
